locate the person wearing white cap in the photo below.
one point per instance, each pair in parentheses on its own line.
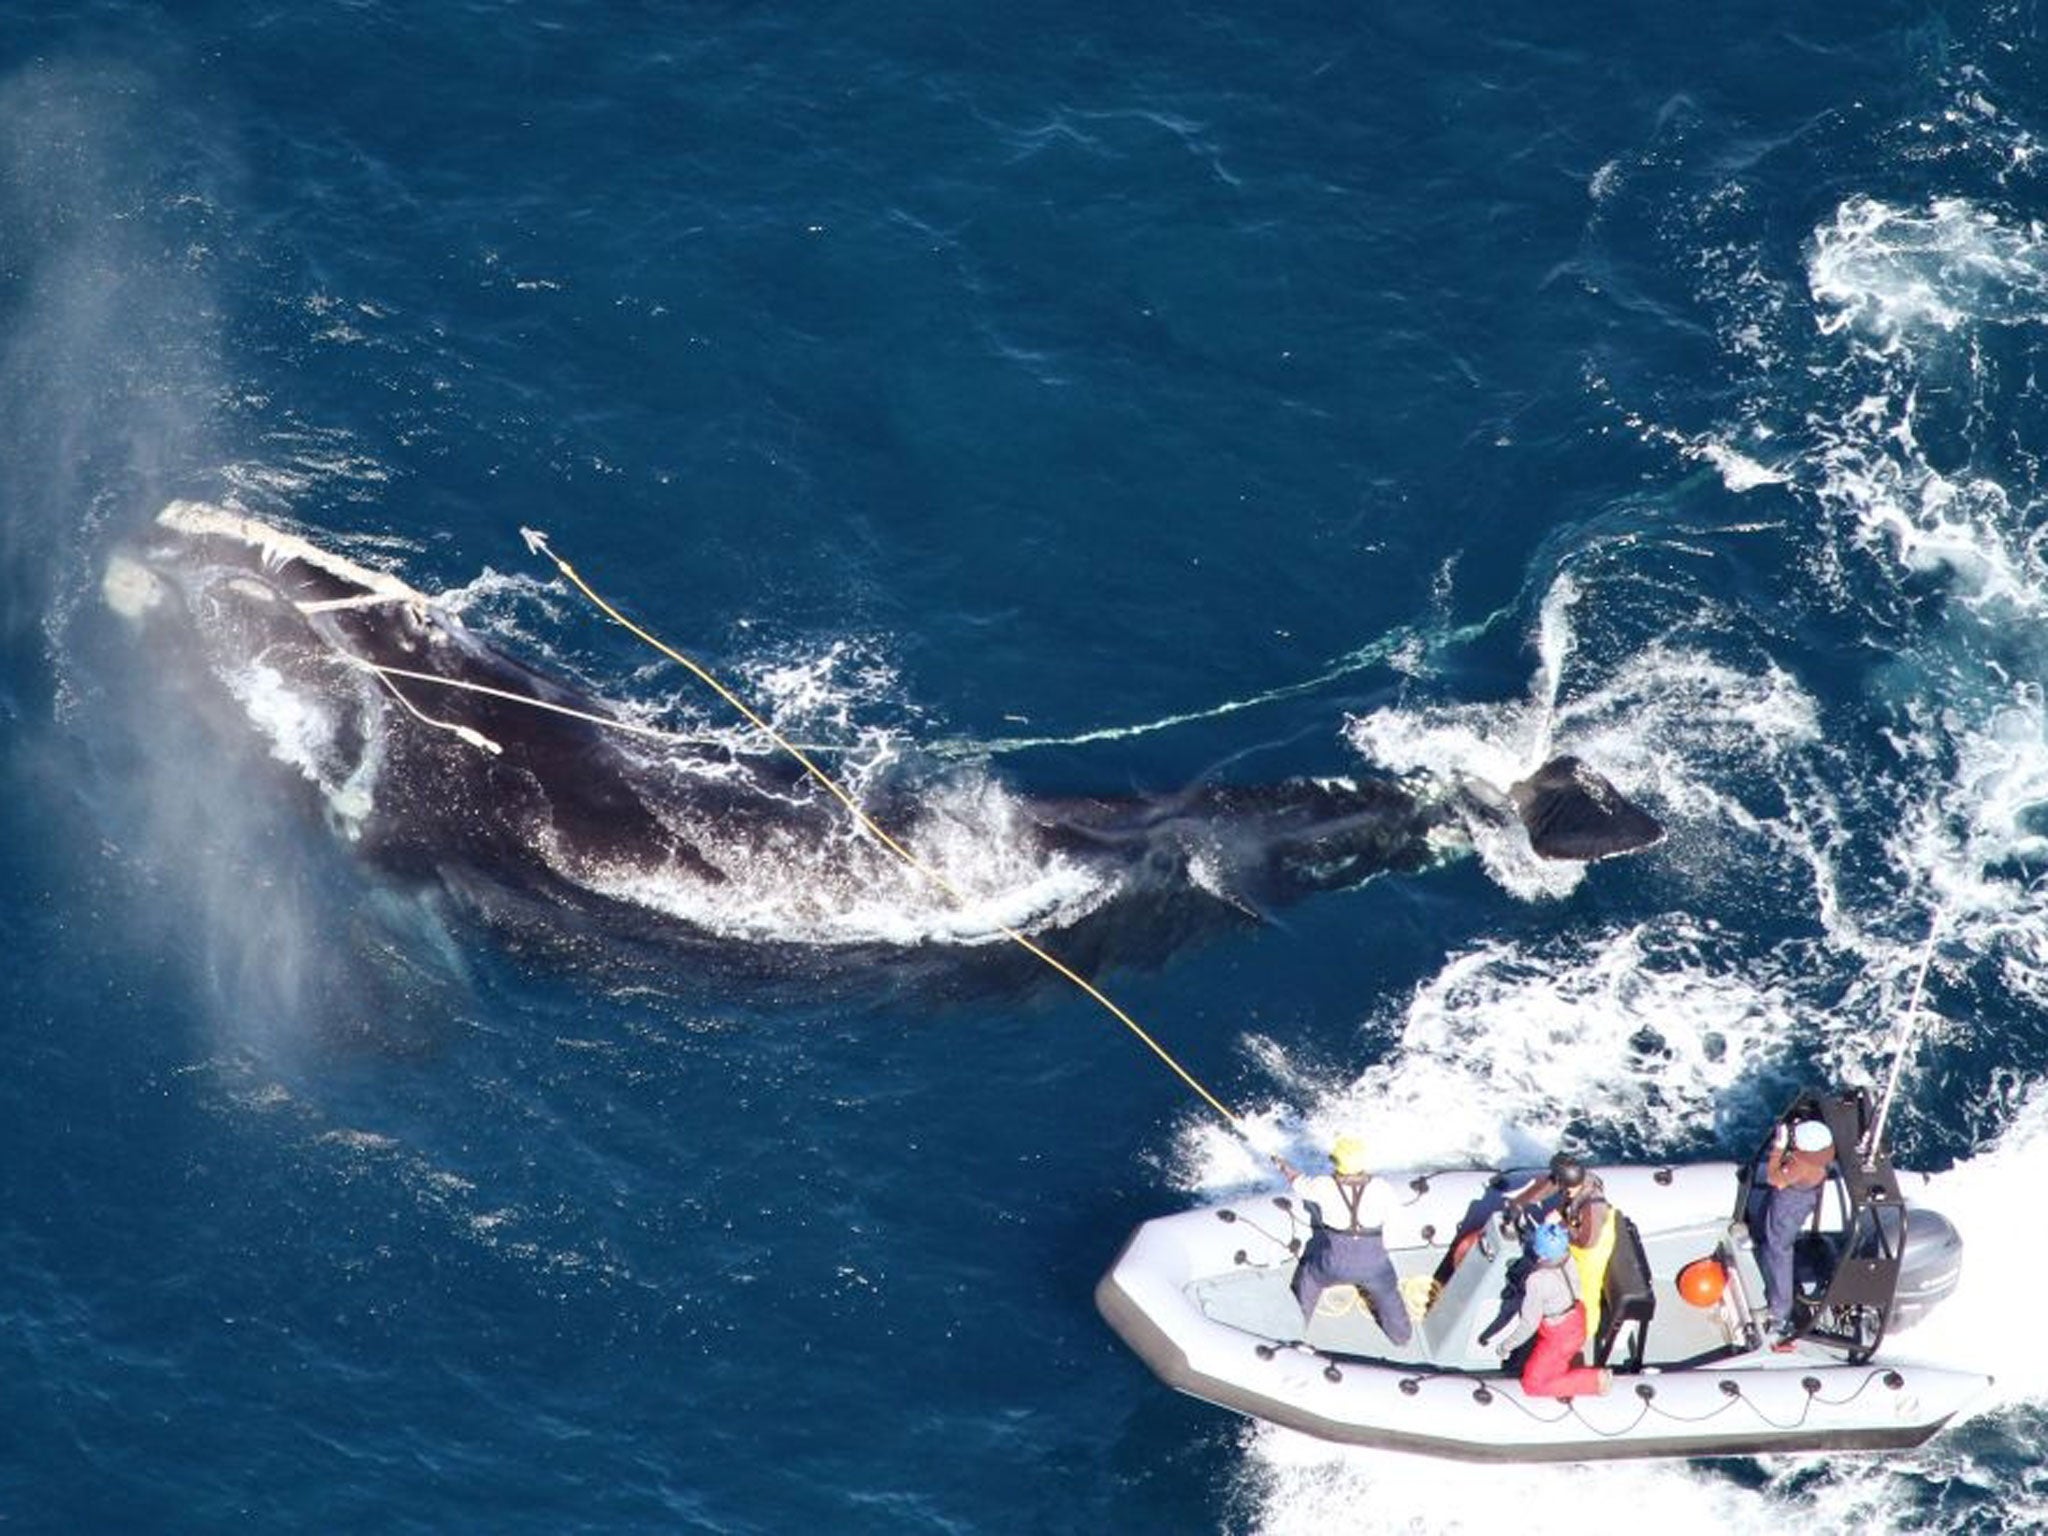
(1347,1207)
(1795,1169)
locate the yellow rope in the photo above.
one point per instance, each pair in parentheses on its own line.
(537,542)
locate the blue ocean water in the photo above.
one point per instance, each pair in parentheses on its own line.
(1096,400)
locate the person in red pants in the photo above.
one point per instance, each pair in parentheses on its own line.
(1553,1312)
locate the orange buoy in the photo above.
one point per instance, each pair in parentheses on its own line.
(1702,1282)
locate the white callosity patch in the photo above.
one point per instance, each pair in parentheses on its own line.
(275,545)
(130,588)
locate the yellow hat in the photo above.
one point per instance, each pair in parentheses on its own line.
(1347,1155)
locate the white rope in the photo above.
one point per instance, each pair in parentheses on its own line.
(462,732)
(384,675)
(523,698)
(361,600)
(609,722)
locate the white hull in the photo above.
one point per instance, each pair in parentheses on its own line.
(1202,1297)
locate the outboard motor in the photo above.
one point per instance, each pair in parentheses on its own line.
(1932,1265)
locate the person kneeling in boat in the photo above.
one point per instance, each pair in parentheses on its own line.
(1574,1193)
(1553,1311)
(1346,1209)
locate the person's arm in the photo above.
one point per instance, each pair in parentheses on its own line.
(1312,1190)
(1775,1159)
(1536,1297)
(1790,1170)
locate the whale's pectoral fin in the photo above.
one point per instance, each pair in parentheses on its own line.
(1571,812)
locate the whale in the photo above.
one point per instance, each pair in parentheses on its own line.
(445,762)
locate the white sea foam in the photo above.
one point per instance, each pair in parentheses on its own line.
(1911,296)
(1890,272)
(822,692)
(498,595)
(302,729)
(1303,1487)
(299,730)
(1739,472)
(1668,726)
(1989,1197)
(979,874)
(1655,1029)
(1905,305)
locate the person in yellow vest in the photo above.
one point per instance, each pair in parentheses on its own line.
(1572,1194)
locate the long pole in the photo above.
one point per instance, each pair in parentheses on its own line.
(1908,1029)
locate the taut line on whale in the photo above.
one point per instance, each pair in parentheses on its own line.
(529,799)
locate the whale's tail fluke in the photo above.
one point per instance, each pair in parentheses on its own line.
(1267,844)
(1571,812)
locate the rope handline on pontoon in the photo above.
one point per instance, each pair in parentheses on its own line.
(537,542)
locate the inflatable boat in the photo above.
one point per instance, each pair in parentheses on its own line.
(1203,1297)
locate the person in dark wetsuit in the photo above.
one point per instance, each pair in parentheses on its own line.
(1347,1207)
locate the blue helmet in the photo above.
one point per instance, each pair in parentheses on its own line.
(1549,1243)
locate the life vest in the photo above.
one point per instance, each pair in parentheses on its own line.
(1589,1263)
